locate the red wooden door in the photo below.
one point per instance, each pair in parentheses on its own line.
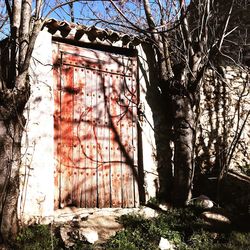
(96,145)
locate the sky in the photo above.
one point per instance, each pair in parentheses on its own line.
(86,12)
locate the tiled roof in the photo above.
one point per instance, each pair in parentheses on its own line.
(90,34)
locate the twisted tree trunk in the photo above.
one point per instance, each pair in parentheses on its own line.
(14,93)
(12,123)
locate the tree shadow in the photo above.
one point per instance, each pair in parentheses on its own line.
(96,136)
(159,103)
(221,131)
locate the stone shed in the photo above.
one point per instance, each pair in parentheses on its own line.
(86,143)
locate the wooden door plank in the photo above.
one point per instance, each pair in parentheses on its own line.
(115,151)
(75,141)
(103,163)
(126,138)
(135,103)
(76,123)
(88,138)
(94,169)
(66,135)
(91,191)
(81,78)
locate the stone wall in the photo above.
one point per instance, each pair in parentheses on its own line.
(223,133)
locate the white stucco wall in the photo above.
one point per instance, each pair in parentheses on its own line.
(36,200)
(37,181)
(146,125)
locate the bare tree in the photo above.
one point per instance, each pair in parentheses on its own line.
(25,19)
(187,38)
(14,94)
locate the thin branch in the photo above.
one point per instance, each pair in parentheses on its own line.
(71,6)
(125,18)
(143,31)
(229,32)
(24,30)
(9,11)
(185,28)
(61,5)
(38,8)
(226,25)
(5,19)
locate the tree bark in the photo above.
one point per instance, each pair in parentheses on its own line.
(183,125)
(12,123)
(12,103)
(10,154)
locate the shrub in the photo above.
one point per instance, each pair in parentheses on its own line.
(36,237)
(239,240)
(142,233)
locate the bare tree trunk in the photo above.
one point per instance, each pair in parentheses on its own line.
(10,155)
(12,122)
(12,102)
(183,149)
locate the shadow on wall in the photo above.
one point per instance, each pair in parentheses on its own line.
(223,130)
(96,134)
(222,136)
(222,141)
(97,144)
(161,110)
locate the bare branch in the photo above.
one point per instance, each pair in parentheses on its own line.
(38,8)
(185,29)
(17,4)
(3,22)
(35,31)
(24,30)
(61,5)
(143,31)
(71,6)
(226,25)
(231,31)
(9,11)
(125,18)
(149,16)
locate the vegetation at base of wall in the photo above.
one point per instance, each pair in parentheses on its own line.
(184,229)
(36,237)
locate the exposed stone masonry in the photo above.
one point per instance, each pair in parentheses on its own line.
(223,132)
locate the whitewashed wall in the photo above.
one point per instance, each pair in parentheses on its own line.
(148,138)
(37,181)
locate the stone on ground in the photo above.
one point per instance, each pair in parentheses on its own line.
(165,244)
